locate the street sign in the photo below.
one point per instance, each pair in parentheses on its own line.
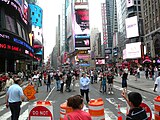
(147,109)
(40,112)
(29,92)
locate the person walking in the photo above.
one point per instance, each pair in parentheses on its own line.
(157,84)
(136,112)
(48,82)
(35,79)
(124,80)
(84,86)
(146,73)
(104,83)
(57,77)
(76,103)
(110,78)
(9,82)
(62,77)
(73,82)
(68,81)
(14,98)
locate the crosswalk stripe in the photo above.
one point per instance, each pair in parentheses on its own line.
(24,115)
(8,114)
(2,107)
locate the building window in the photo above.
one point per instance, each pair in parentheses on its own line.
(139,8)
(10,24)
(19,30)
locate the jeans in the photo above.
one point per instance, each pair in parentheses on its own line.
(48,87)
(103,88)
(58,84)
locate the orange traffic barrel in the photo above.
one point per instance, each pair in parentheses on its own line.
(96,109)
(64,109)
(157,108)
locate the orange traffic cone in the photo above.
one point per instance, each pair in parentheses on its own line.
(119,113)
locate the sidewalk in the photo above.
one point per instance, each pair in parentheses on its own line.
(142,83)
(3,92)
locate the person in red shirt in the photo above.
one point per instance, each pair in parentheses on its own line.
(76,103)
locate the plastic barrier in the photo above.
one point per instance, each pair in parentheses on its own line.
(96,109)
(64,109)
(157,108)
(119,113)
(41,110)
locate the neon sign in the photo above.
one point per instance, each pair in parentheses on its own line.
(4,36)
(22,43)
(9,47)
(17,7)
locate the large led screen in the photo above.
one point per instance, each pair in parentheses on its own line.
(10,42)
(82,42)
(132,27)
(82,21)
(100,61)
(133,50)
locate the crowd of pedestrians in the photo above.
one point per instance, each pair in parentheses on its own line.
(66,80)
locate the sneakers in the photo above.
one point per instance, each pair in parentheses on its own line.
(109,93)
(112,92)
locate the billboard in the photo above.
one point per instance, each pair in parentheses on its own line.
(133,50)
(132,27)
(108,51)
(37,33)
(100,61)
(124,54)
(82,42)
(129,3)
(9,42)
(82,21)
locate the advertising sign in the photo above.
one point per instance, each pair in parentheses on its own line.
(108,51)
(132,27)
(129,3)
(82,21)
(100,61)
(82,42)
(124,54)
(133,50)
(11,43)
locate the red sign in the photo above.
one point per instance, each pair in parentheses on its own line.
(40,111)
(147,109)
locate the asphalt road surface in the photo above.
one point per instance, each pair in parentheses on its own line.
(110,101)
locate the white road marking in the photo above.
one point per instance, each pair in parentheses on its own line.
(8,114)
(49,93)
(24,115)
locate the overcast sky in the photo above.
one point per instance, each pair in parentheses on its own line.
(51,9)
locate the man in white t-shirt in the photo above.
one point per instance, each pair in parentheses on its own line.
(157,84)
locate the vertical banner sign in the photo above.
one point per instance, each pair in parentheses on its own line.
(104,24)
(82,28)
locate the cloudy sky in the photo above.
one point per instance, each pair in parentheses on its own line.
(50,20)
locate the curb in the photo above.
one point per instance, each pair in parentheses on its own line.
(138,88)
